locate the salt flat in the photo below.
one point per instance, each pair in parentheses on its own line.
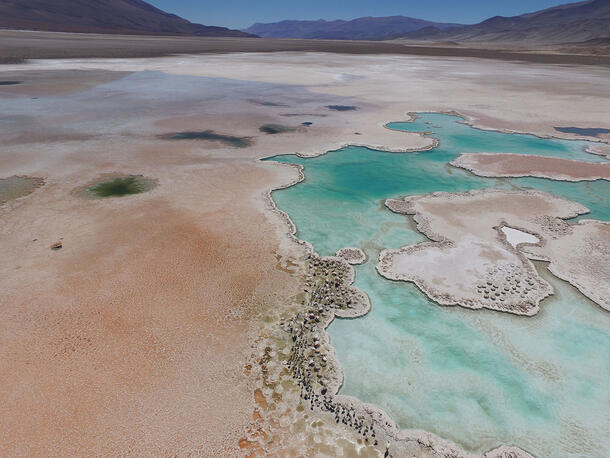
(119,341)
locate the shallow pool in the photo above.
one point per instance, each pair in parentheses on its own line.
(478,378)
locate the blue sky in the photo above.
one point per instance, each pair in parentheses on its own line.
(243,13)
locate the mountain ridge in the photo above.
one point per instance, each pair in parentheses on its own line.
(363,28)
(567,23)
(101,16)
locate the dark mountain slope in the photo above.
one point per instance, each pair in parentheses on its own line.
(569,23)
(100,16)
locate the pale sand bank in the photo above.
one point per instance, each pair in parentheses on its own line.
(520,165)
(475,261)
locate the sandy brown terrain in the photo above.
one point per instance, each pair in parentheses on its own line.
(521,165)
(136,336)
(119,342)
(58,45)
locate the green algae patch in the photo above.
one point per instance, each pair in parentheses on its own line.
(119,186)
(273,129)
(210,135)
(18,186)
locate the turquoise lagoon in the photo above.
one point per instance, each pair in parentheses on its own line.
(478,378)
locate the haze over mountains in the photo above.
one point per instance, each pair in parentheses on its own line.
(365,28)
(587,21)
(101,16)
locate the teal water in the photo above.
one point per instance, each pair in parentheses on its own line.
(478,378)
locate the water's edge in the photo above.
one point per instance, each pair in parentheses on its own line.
(381,418)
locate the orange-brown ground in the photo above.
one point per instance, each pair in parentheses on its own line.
(131,339)
(519,165)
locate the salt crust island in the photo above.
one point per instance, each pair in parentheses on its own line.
(352,255)
(601,150)
(469,261)
(506,165)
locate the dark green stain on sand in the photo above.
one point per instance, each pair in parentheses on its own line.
(210,135)
(342,107)
(273,129)
(121,186)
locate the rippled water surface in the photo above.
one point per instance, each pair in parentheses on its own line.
(478,378)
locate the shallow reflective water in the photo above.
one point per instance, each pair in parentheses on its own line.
(478,378)
(587,131)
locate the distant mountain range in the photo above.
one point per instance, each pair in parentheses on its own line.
(581,22)
(365,28)
(101,16)
(585,22)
